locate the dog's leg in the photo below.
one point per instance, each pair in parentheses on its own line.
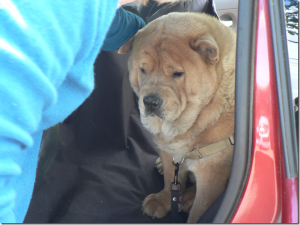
(211,179)
(159,204)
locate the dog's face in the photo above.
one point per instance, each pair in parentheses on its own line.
(173,74)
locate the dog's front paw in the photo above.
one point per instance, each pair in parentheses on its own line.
(157,205)
(170,129)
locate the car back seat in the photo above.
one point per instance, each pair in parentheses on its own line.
(98,165)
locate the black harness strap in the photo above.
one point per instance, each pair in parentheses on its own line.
(175,197)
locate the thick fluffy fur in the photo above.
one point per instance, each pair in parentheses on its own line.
(188,61)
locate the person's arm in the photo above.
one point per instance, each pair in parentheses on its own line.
(123,27)
(47,51)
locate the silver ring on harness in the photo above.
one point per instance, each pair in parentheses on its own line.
(178,163)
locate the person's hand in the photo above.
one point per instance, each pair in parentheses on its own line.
(123,2)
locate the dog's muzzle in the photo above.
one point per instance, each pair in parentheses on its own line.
(152,103)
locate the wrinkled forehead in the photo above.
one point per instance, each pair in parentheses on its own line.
(160,49)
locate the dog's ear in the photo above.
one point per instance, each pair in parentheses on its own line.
(207,47)
(126,47)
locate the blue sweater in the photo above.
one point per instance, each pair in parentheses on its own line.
(47,51)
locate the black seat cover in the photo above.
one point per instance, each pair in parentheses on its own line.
(98,165)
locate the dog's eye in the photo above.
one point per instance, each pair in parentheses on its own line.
(178,74)
(142,71)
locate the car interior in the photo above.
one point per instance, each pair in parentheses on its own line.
(98,165)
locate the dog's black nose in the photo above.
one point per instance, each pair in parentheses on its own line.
(152,102)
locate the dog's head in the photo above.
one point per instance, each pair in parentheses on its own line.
(175,69)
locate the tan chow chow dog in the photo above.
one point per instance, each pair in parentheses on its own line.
(182,68)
